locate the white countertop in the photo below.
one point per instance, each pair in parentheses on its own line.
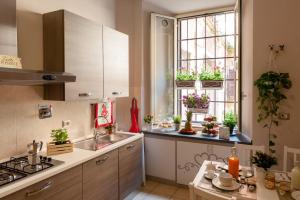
(77,157)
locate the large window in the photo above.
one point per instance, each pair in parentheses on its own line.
(206,42)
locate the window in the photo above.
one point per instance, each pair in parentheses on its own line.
(205,42)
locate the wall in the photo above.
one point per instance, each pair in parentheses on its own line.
(19,105)
(276,21)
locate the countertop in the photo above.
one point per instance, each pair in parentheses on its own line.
(239,138)
(77,157)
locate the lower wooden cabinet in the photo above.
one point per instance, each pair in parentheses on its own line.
(66,185)
(130,168)
(100,177)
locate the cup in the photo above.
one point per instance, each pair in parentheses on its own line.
(211,166)
(210,174)
(225,179)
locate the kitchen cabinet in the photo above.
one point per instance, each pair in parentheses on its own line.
(66,185)
(160,155)
(115,63)
(100,177)
(130,168)
(73,44)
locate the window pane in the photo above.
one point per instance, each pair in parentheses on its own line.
(220,25)
(210,64)
(210,26)
(220,112)
(192,65)
(230,46)
(229,23)
(220,64)
(200,65)
(220,47)
(211,109)
(220,95)
(229,107)
(191,49)
(184,65)
(211,94)
(210,47)
(192,28)
(183,50)
(201,48)
(201,27)
(184,29)
(230,90)
(230,69)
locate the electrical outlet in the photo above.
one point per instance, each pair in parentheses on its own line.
(66,123)
(284,116)
(45,111)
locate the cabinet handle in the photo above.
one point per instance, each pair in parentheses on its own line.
(129,147)
(49,77)
(101,161)
(87,94)
(116,93)
(45,187)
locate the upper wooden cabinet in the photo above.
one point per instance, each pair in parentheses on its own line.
(96,54)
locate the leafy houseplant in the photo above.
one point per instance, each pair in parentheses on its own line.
(185,78)
(109,128)
(196,103)
(263,160)
(60,136)
(148,122)
(211,79)
(177,122)
(230,121)
(271,86)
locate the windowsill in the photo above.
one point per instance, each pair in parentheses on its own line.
(239,138)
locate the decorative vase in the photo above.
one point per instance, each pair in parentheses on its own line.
(259,173)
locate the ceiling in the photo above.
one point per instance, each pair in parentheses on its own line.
(183,6)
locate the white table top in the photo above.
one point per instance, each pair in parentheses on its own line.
(261,192)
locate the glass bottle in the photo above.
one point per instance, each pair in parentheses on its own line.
(233,163)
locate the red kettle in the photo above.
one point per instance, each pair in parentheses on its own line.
(134,111)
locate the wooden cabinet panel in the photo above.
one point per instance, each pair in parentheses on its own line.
(160,155)
(100,177)
(130,168)
(66,185)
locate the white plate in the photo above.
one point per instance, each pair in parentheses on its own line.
(296,195)
(208,177)
(216,182)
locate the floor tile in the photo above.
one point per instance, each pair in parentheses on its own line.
(181,193)
(164,190)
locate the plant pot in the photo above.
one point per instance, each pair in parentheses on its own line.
(148,127)
(56,149)
(198,110)
(177,127)
(185,84)
(211,84)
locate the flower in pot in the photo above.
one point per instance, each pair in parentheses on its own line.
(196,103)
(109,128)
(60,136)
(148,121)
(230,121)
(212,79)
(185,78)
(177,122)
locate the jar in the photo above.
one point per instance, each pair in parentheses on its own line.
(269,181)
(295,176)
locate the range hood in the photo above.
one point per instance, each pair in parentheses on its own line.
(8,46)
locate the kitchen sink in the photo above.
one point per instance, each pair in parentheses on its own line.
(101,142)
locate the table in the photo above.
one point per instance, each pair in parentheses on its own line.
(200,184)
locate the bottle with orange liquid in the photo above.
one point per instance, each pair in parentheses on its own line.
(233,163)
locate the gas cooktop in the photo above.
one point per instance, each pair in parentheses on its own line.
(18,168)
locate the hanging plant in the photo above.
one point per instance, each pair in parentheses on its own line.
(213,80)
(271,86)
(185,78)
(196,103)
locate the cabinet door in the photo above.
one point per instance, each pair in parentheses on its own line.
(130,171)
(100,177)
(66,186)
(116,63)
(160,157)
(83,57)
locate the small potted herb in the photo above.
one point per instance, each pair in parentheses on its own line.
(109,128)
(196,103)
(212,80)
(60,136)
(148,122)
(185,78)
(60,143)
(177,122)
(230,121)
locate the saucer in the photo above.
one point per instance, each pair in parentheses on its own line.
(216,182)
(208,177)
(296,195)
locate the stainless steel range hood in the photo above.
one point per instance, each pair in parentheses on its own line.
(8,46)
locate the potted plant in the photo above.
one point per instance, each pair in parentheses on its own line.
(196,103)
(60,143)
(230,121)
(211,79)
(210,128)
(185,79)
(188,124)
(109,128)
(177,122)
(148,122)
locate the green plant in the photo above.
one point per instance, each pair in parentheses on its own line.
(148,119)
(271,86)
(263,160)
(216,75)
(186,76)
(177,119)
(196,101)
(60,136)
(109,128)
(230,121)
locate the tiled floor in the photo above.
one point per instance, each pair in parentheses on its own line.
(159,191)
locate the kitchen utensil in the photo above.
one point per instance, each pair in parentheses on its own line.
(33,149)
(210,174)
(226,179)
